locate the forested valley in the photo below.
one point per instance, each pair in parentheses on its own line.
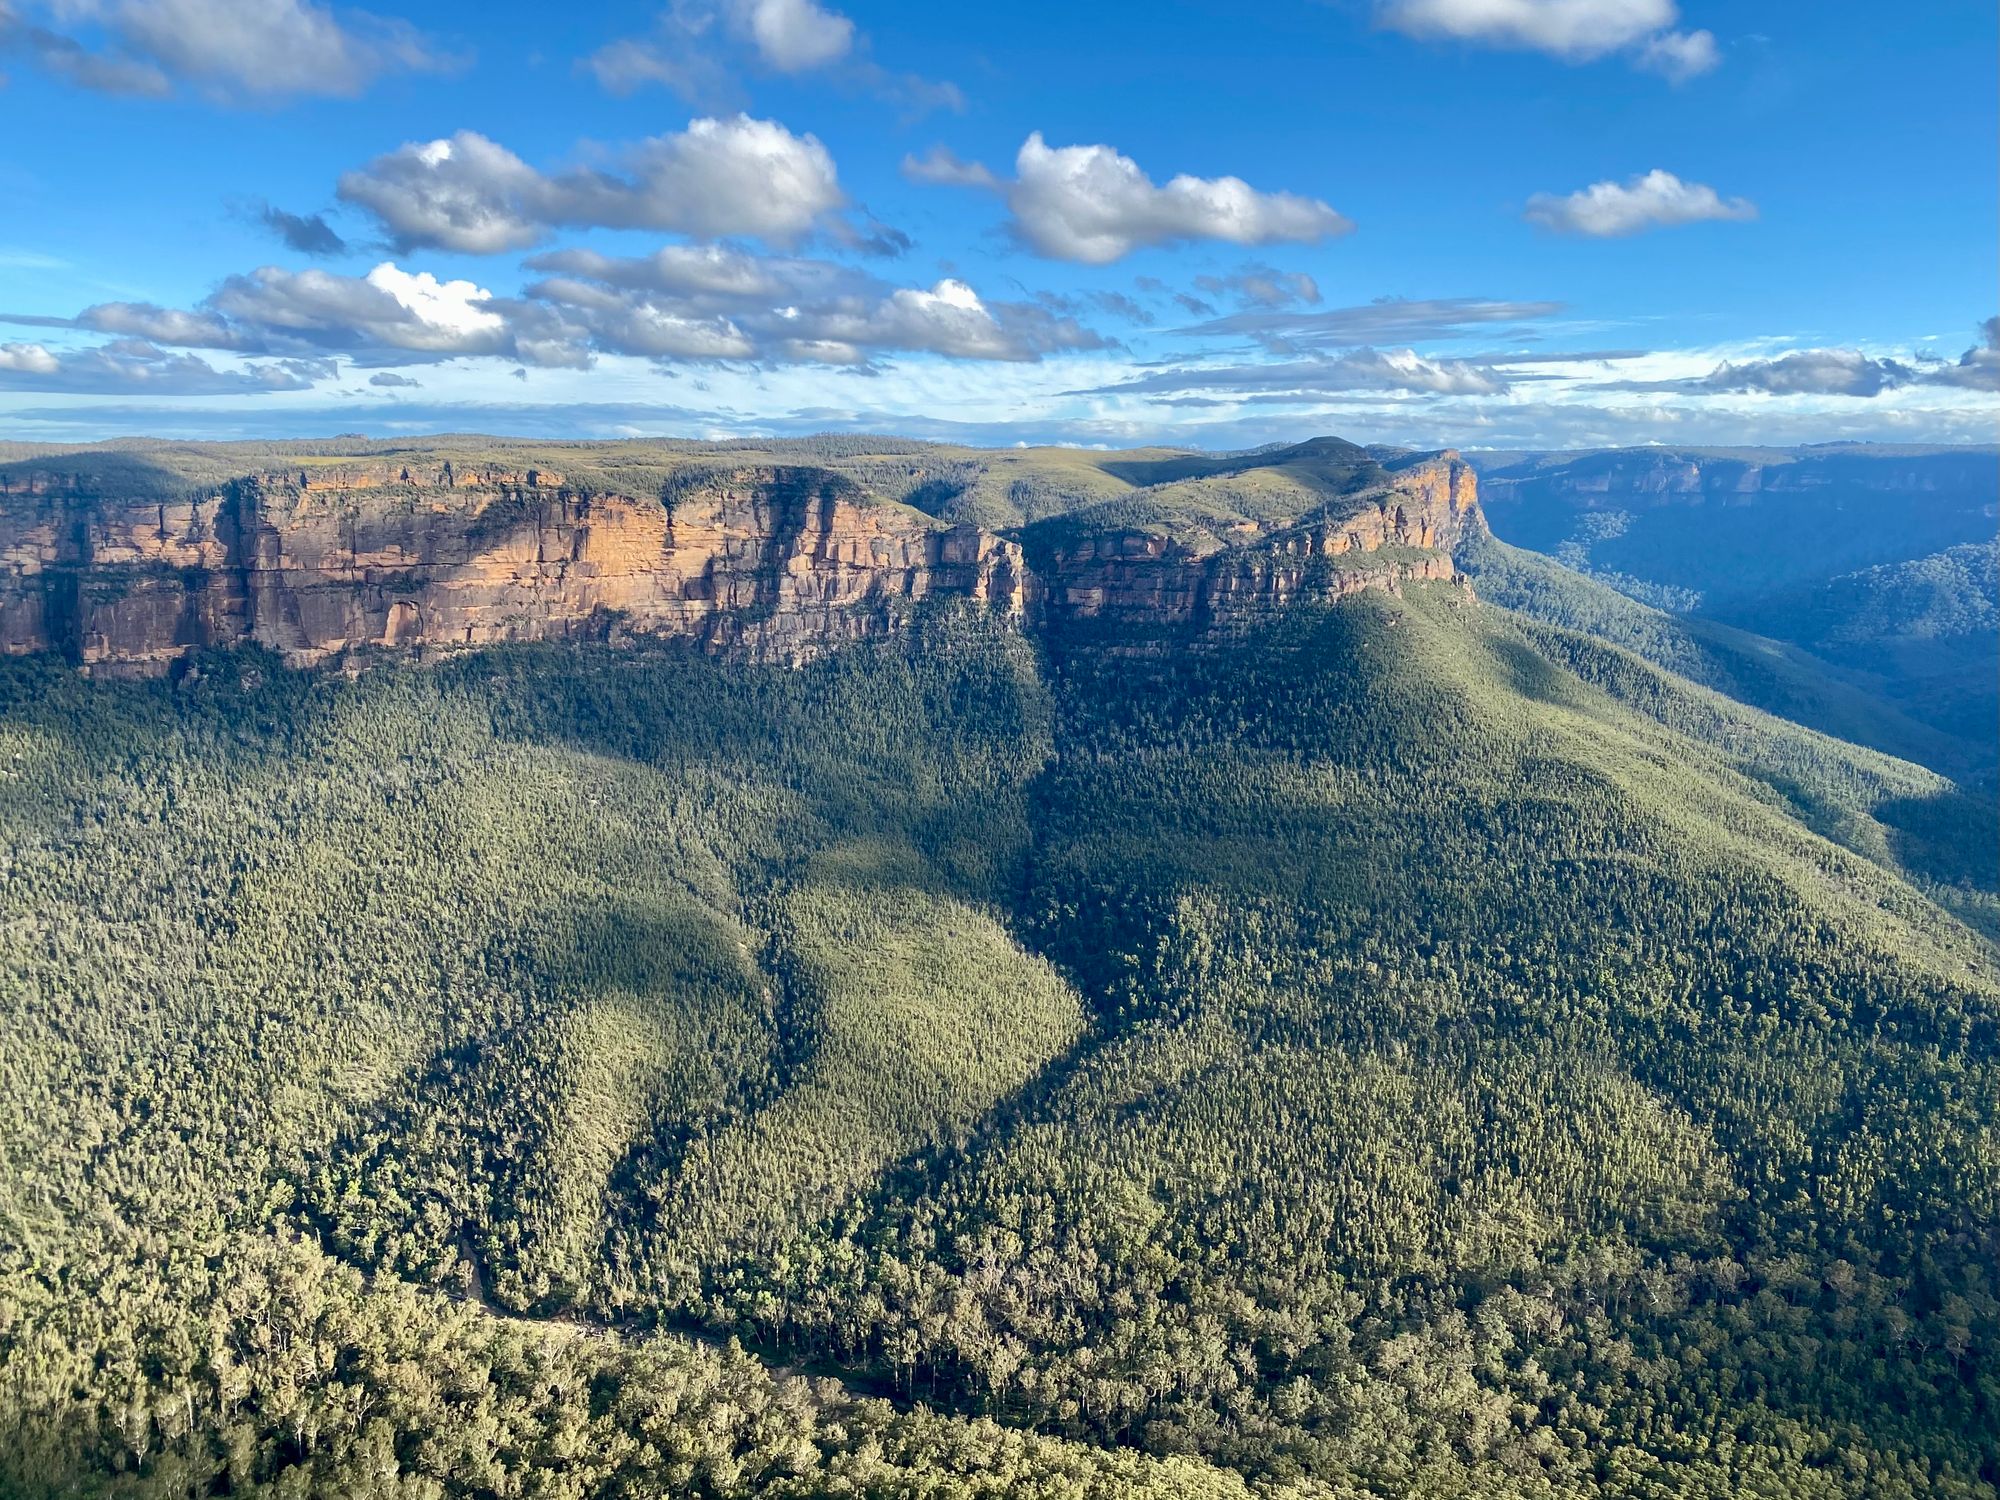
(1413,1049)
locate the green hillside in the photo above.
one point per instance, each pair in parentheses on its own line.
(1847,701)
(1000,489)
(1927,631)
(1415,1050)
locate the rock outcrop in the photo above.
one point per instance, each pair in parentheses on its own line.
(777,562)
(1140,588)
(352,561)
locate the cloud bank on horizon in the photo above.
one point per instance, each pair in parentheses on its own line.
(773,216)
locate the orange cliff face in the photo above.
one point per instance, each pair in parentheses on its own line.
(779,562)
(776,562)
(1140,587)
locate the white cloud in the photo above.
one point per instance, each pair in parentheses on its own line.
(790,310)
(1808,372)
(1680,55)
(1092,205)
(947,319)
(703,303)
(456,308)
(1978,369)
(464,193)
(682,270)
(199,330)
(1263,286)
(1655,200)
(28,359)
(735,176)
(697,47)
(1395,370)
(1573,30)
(620,322)
(389,312)
(1841,372)
(136,367)
(228,50)
(679,64)
(1374,323)
(794,36)
(942,167)
(739,176)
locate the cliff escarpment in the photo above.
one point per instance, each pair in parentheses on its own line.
(780,562)
(1140,586)
(340,562)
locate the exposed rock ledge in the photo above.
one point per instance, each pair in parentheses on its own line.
(778,563)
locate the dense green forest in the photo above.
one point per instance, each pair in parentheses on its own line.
(1854,699)
(1926,630)
(1416,1049)
(1852,587)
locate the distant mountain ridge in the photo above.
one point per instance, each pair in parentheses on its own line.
(1875,559)
(1709,528)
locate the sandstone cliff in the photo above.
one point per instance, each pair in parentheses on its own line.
(1140,587)
(342,562)
(777,561)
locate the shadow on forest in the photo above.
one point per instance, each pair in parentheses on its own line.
(1952,836)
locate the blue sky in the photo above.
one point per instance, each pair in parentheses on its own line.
(1485,223)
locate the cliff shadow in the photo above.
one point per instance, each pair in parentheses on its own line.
(127,474)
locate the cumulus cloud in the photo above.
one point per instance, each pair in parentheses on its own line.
(1655,200)
(1833,372)
(695,44)
(231,51)
(144,320)
(388,316)
(1978,369)
(794,36)
(391,380)
(680,270)
(1092,205)
(1808,372)
(136,367)
(1390,320)
(1838,372)
(1573,30)
(388,309)
(700,303)
(790,309)
(718,177)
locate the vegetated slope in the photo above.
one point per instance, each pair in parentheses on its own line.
(424,966)
(1483,1069)
(1848,702)
(1406,1050)
(1927,629)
